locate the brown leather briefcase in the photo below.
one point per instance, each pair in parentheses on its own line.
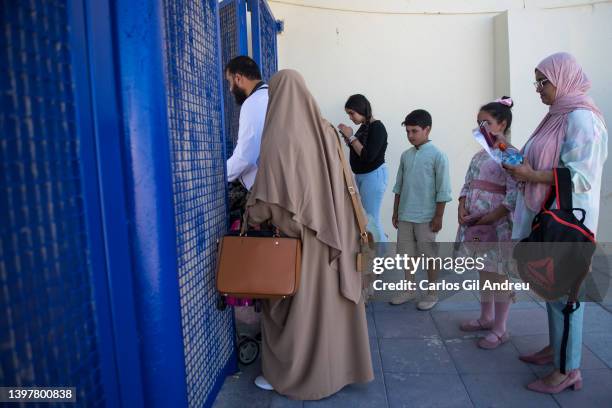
(252,265)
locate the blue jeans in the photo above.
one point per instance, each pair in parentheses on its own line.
(371,187)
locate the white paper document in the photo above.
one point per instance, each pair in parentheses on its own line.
(494,153)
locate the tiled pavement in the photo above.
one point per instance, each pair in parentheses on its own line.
(421,359)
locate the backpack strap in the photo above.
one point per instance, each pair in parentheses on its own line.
(362,220)
(561,190)
(348,178)
(567,311)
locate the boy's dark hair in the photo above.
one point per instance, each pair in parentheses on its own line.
(500,112)
(419,117)
(361,105)
(244,66)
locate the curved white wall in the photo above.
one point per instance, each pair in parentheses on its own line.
(449,64)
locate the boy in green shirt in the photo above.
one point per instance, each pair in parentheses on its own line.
(422,189)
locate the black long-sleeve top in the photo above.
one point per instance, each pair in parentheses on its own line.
(374,141)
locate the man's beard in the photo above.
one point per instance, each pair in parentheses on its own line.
(239,95)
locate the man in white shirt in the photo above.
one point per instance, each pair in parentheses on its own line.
(251,93)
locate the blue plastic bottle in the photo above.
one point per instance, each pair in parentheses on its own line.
(510,155)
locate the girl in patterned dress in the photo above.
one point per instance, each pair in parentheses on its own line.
(488,198)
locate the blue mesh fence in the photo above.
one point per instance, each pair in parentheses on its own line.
(267,38)
(197,143)
(47,323)
(233,23)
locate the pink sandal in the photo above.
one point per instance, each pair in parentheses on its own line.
(489,345)
(475,325)
(573,380)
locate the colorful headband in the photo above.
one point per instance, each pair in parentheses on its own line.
(506,101)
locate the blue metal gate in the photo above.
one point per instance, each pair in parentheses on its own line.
(234,42)
(199,187)
(174,130)
(112,198)
(233,27)
(55,326)
(264,29)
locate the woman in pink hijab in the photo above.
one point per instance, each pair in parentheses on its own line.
(572,135)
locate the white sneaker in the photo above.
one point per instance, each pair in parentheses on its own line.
(262,383)
(428,302)
(403,298)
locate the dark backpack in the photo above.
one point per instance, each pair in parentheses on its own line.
(556,257)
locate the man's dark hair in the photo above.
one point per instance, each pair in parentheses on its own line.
(244,66)
(419,117)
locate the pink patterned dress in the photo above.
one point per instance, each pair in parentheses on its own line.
(487,186)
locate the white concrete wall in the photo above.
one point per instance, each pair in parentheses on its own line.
(449,64)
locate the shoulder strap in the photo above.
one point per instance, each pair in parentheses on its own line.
(348,178)
(561,190)
(258,86)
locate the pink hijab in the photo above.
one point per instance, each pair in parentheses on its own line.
(564,72)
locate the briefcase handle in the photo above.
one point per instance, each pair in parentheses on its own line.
(244,225)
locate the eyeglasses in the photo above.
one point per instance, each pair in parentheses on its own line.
(540,84)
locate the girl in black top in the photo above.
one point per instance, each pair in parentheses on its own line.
(367,158)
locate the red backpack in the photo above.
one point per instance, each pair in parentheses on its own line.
(556,257)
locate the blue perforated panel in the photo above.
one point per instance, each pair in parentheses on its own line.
(47,323)
(267,26)
(231,17)
(196,128)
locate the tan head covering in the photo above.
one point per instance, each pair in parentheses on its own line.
(299,170)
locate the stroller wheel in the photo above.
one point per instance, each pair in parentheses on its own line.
(248,350)
(221,304)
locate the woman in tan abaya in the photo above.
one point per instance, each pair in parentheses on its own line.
(315,342)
